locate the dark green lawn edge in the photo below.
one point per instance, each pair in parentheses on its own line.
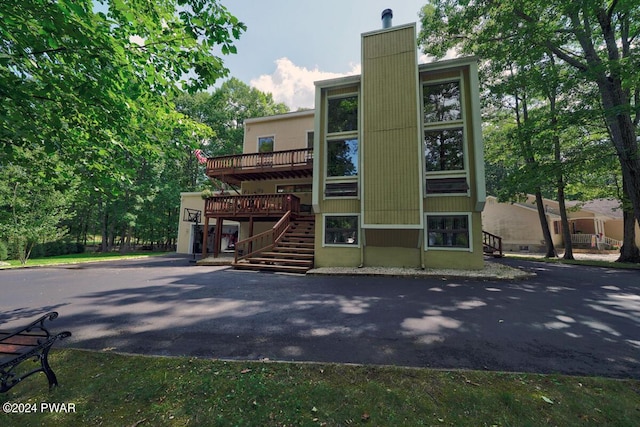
(86,257)
(109,389)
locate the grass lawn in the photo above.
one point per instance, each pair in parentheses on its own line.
(107,389)
(78,258)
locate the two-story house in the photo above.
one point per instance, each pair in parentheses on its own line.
(388,170)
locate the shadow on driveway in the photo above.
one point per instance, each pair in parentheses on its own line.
(569,319)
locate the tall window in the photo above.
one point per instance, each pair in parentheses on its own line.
(342,114)
(342,147)
(342,157)
(443,127)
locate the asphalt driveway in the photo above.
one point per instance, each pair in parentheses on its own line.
(568,319)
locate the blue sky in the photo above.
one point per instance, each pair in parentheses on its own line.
(289,44)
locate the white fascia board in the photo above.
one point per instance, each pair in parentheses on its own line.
(478,144)
(284,116)
(315,194)
(337,82)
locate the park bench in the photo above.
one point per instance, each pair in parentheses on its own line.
(32,341)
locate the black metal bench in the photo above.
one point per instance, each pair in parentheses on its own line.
(29,342)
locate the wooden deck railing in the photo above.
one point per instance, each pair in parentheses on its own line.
(262,161)
(252,204)
(264,241)
(492,242)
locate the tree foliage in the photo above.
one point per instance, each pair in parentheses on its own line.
(33,204)
(225,110)
(91,84)
(576,63)
(71,73)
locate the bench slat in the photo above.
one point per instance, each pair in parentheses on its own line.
(23,339)
(31,341)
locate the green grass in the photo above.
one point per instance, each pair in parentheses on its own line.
(588,263)
(80,258)
(116,390)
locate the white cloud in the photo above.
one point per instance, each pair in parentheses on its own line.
(293,85)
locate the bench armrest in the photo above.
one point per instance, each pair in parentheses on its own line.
(35,325)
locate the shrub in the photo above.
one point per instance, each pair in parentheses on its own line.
(4,251)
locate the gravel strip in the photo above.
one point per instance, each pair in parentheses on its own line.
(490,271)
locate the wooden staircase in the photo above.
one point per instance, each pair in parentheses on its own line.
(292,253)
(492,244)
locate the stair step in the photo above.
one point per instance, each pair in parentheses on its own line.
(280,261)
(287,255)
(310,231)
(292,249)
(296,244)
(282,268)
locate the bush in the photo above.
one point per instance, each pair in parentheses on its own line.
(49,249)
(4,251)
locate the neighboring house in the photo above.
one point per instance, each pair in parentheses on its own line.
(191,228)
(596,224)
(388,169)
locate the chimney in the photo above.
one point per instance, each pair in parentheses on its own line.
(387,14)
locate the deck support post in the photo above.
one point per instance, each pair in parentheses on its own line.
(205,235)
(251,233)
(218,237)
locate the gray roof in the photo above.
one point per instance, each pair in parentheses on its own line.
(609,207)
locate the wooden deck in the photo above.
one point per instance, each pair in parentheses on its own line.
(252,205)
(260,166)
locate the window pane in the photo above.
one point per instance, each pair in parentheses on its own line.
(448,231)
(341,230)
(310,139)
(342,114)
(265,144)
(342,157)
(443,150)
(442,102)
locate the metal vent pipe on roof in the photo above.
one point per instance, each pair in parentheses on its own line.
(387,15)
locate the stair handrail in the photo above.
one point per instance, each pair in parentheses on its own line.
(492,241)
(262,241)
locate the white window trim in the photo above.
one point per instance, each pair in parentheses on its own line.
(349,178)
(339,136)
(266,136)
(326,113)
(451,124)
(441,248)
(334,245)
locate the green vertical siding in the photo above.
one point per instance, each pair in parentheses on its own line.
(391,166)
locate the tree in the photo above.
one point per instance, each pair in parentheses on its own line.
(33,205)
(76,70)
(93,82)
(225,111)
(595,38)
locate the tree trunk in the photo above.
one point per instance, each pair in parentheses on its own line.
(104,245)
(629,251)
(542,215)
(623,137)
(615,98)
(566,232)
